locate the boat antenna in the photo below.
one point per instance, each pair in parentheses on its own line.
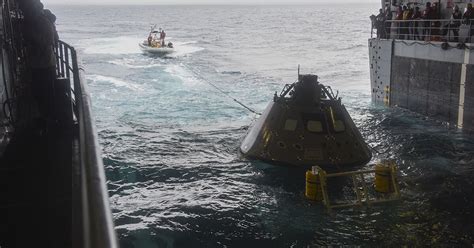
(298,70)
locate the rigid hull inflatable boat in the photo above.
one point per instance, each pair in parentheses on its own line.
(304,126)
(155,43)
(155,50)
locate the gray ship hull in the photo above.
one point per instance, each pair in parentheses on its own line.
(424,78)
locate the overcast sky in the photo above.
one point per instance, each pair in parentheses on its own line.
(137,2)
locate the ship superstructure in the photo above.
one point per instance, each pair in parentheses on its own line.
(424,62)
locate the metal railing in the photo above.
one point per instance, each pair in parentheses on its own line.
(425,30)
(388,176)
(91,211)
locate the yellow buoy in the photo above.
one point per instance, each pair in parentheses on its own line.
(383,179)
(313,185)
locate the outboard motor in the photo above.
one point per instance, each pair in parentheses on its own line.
(305,126)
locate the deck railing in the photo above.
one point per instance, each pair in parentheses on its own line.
(448,30)
(91,209)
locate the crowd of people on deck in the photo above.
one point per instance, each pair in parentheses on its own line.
(40,38)
(410,22)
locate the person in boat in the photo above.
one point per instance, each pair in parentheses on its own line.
(150,39)
(170,45)
(162,37)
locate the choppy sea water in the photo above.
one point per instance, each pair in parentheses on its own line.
(170,141)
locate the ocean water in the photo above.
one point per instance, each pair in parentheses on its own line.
(170,140)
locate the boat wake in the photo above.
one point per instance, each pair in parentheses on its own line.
(184,48)
(128,45)
(136,63)
(185,76)
(111,45)
(99,79)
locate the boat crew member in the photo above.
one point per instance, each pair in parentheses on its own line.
(162,37)
(150,39)
(153,42)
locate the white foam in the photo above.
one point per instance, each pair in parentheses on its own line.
(133,64)
(188,42)
(184,75)
(115,81)
(183,48)
(112,45)
(133,226)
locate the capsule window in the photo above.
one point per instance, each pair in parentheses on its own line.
(290,125)
(339,126)
(315,126)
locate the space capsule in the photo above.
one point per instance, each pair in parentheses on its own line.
(306,125)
